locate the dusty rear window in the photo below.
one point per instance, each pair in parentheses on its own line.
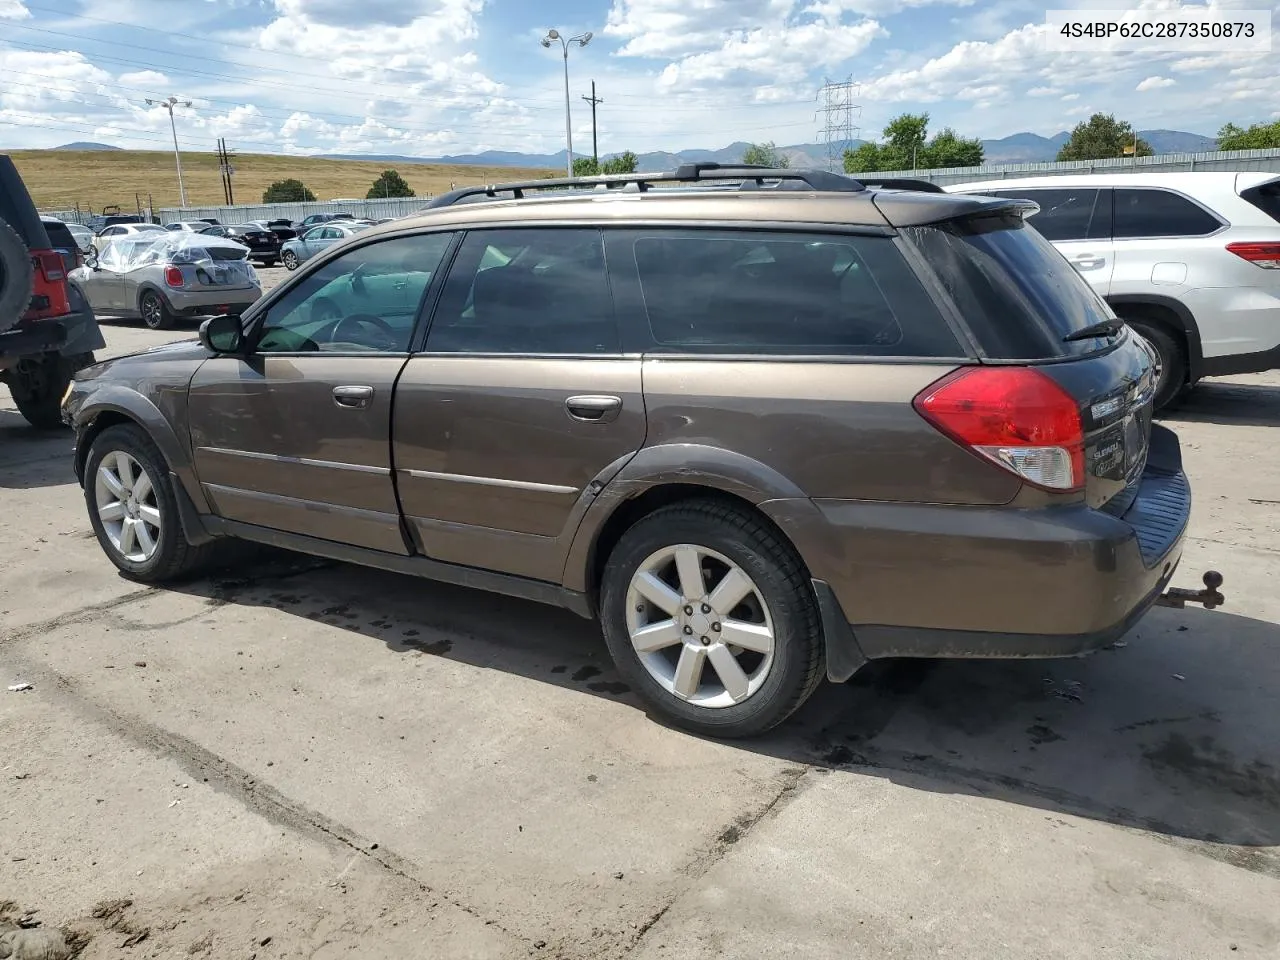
(1015,291)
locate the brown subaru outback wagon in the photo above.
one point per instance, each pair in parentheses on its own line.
(764,425)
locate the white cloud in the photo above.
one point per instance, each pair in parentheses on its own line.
(13,10)
(145,78)
(1067,98)
(1154,83)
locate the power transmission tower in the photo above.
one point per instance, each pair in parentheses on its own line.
(593,100)
(838,110)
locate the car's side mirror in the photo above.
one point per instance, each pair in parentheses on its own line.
(223,335)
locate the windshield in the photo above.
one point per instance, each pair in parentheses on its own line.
(1016,292)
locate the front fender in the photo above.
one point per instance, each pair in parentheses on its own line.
(119,401)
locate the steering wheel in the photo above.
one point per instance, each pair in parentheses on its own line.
(366,318)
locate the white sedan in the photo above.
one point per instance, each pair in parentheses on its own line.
(122,230)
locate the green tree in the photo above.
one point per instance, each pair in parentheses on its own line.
(766,155)
(585,167)
(389,184)
(1259,136)
(906,146)
(287,191)
(949,149)
(624,162)
(1100,137)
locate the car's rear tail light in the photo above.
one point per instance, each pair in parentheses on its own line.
(49,263)
(1265,255)
(173,276)
(1015,417)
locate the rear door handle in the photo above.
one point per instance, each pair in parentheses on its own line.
(594,409)
(352,396)
(1087,261)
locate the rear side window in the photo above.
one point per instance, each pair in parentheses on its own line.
(1266,197)
(1159,213)
(1064,214)
(1017,293)
(784,293)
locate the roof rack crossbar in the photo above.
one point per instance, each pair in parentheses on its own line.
(819,180)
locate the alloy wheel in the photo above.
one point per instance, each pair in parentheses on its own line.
(699,625)
(127,506)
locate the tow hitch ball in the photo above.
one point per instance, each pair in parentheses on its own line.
(1209,596)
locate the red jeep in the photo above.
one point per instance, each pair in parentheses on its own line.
(47,329)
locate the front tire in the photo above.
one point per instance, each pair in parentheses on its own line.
(37,387)
(710,616)
(290,260)
(155,312)
(133,509)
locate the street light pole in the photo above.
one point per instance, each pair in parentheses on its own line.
(169,104)
(581,40)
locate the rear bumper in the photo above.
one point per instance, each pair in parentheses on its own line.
(207,303)
(917,580)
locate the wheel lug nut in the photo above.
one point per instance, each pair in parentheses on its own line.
(705,641)
(715,627)
(639,608)
(688,630)
(688,611)
(705,608)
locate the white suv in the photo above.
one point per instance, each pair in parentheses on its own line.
(1190,260)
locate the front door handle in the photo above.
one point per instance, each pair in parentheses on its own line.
(1087,261)
(352,396)
(594,409)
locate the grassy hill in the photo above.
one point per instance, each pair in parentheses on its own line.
(59,179)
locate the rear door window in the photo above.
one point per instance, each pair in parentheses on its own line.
(1064,214)
(1017,293)
(1159,213)
(785,294)
(1266,197)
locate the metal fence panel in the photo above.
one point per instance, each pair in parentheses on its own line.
(373,209)
(1235,161)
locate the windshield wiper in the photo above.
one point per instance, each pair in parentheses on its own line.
(1103,328)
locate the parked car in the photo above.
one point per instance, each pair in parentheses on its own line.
(191,226)
(280,228)
(304,247)
(772,435)
(124,230)
(1189,260)
(83,237)
(170,274)
(315,220)
(263,244)
(47,330)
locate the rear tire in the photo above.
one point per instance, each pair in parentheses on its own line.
(1171,386)
(268,264)
(290,260)
(136,493)
(154,311)
(779,662)
(17,277)
(38,385)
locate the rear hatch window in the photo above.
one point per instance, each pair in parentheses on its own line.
(1015,291)
(1266,197)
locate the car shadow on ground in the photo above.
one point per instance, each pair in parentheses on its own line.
(1175,730)
(1230,402)
(31,458)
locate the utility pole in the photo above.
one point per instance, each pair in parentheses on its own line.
(594,100)
(169,104)
(226,169)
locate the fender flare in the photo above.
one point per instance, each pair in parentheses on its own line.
(132,406)
(1186,324)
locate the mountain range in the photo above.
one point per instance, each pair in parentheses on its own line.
(1017,148)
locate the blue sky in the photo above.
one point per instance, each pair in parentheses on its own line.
(431,77)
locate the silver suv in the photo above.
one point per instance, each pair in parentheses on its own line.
(1190,260)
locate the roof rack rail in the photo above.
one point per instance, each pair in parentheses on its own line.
(904,183)
(756,175)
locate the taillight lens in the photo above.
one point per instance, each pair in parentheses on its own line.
(1265,255)
(49,263)
(173,276)
(1016,417)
